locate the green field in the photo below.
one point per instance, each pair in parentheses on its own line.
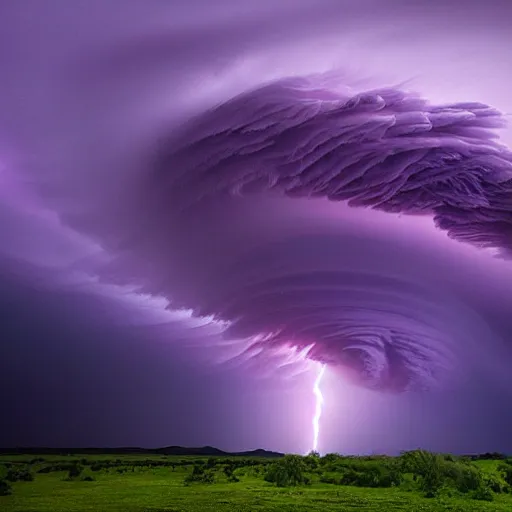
(308,484)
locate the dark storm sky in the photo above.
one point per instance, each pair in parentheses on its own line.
(171,269)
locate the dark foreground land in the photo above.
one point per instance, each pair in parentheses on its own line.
(415,481)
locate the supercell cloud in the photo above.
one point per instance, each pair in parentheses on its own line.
(273,185)
(385,149)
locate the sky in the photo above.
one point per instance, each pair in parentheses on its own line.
(202,203)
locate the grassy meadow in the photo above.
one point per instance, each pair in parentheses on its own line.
(415,481)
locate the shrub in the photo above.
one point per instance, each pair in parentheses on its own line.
(467,478)
(374,475)
(491,456)
(199,475)
(75,470)
(87,478)
(327,479)
(197,470)
(506,472)
(436,471)
(5,488)
(430,467)
(208,477)
(288,471)
(330,458)
(312,461)
(483,493)
(55,467)
(19,475)
(228,470)
(494,483)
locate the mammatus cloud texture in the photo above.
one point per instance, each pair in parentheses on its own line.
(264,188)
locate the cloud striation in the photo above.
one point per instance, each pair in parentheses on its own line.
(204,223)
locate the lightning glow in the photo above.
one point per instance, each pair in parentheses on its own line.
(318,409)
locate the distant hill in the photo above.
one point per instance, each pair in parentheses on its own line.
(208,451)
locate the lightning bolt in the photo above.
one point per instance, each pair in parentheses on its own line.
(318,409)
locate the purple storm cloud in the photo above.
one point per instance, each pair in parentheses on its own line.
(384,149)
(268,186)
